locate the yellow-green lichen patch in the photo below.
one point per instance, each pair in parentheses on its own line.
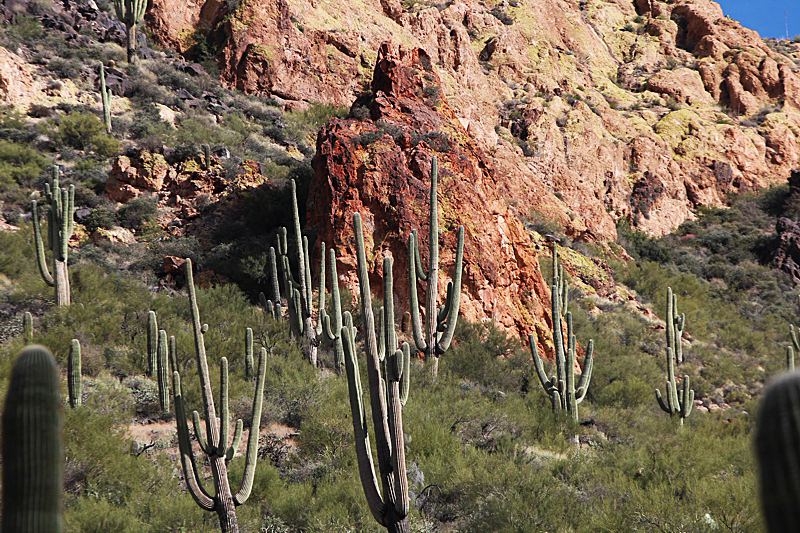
(677,125)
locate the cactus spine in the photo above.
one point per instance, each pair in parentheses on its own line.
(777,448)
(675,404)
(130,13)
(152,344)
(564,393)
(105,96)
(389,502)
(332,324)
(27,327)
(440,323)
(74,379)
(215,441)
(60,226)
(792,348)
(162,365)
(32,450)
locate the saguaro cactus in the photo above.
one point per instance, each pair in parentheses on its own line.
(27,327)
(215,441)
(299,295)
(675,404)
(152,344)
(332,324)
(60,226)
(389,502)
(792,348)
(105,97)
(130,13)
(777,447)
(74,378)
(440,323)
(163,373)
(33,456)
(564,393)
(674,325)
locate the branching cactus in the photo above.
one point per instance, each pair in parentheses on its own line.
(214,443)
(674,325)
(60,226)
(299,294)
(33,456)
(105,97)
(564,393)
(152,344)
(130,13)
(162,371)
(440,323)
(332,324)
(74,378)
(777,448)
(792,348)
(676,403)
(27,327)
(388,502)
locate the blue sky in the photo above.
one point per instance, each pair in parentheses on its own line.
(765,16)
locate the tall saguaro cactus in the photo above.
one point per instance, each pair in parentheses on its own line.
(777,448)
(105,97)
(162,371)
(674,325)
(440,323)
(564,393)
(60,226)
(388,502)
(27,327)
(675,403)
(299,294)
(74,378)
(130,13)
(215,441)
(33,454)
(152,344)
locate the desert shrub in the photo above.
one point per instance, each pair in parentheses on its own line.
(138,212)
(20,165)
(100,217)
(78,129)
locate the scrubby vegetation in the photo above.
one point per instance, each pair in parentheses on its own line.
(484,451)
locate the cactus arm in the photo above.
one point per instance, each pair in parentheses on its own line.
(152,343)
(661,403)
(190,473)
(40,257)
(388,305)
(321,290)
(381,333)
(198,431)
(105,97)
(558,335)
(687,400)
(418,268)
(276,292)
(309,295)
(570,400)
(74,381)
(224,423)
(586,374)
(537,363)
(248,353)
(237,438)
(453,303)
(441,314)
(251,455)
(173,355)
(790,359)
(405,378)
(366,466)
(395,414)
(162,371)
(413,273)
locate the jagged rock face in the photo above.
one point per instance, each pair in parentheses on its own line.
(379,166)
(580,99)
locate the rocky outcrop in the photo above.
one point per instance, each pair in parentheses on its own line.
(17,82)
(574,104)
(379,166)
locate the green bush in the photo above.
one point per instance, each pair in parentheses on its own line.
(138,212)
(78,129)
(20,165)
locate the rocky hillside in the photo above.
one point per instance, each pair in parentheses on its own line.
(588,111)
